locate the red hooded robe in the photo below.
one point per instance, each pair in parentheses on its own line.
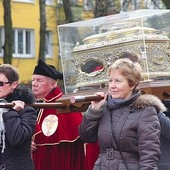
(92,153)
(57,139)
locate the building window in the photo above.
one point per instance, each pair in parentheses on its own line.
(1,40)
(48,48)
(25,1)
(49,2)
(23,43)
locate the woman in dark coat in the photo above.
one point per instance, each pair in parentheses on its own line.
(17,124)
(164,163)
(126,126)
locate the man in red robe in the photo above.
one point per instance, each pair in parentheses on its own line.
(56,144)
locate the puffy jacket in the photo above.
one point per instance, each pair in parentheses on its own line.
(136,130)
(19,127)
(164,163)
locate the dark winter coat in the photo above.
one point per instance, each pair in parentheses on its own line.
(136,129)
(164,163)
(19,130)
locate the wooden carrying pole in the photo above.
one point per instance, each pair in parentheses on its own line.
(75,99)
(37,105)
(69,104)
(81,100)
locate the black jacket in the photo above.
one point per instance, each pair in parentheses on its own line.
(164,163)
(19,130)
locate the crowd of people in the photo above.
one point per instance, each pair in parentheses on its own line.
(126,130)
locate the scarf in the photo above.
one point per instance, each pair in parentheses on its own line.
(114,103)
(2,127)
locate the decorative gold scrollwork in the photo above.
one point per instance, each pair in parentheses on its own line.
(158,59)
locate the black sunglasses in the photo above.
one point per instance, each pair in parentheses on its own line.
(3,83)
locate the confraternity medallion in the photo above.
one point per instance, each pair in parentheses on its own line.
(49,125)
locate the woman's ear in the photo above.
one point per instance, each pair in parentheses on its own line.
(132,87)
(14,85)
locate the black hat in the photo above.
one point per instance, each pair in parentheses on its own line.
(47,70)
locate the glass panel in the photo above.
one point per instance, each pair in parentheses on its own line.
(14,41)
(20,41)
(49,2)
(144,35)
(26,1)
(28,42)
(47,43)
(1,41)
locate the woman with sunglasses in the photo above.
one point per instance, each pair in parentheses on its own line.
(17,124)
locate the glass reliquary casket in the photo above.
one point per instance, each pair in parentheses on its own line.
(88,48)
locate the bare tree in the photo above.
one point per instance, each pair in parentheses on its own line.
(103,8)
(7,47)
(67,11)
(167,3)
(42,44)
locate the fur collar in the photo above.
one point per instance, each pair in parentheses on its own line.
(22,93)
(146,100)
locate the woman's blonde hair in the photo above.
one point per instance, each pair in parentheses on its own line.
(132,71)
